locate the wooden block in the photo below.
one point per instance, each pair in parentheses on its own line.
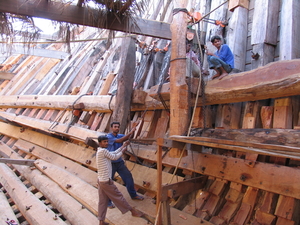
(92,118)
(282,117)
(196,119)
(264,218)
(269,202)
(233,195)
(266,115)
(241,216)
(228,210)
(285,207)
(139,96)
(236,186)
(148,118)
(235,3)
(211,204)
(217,220)
(249,122)
(283,221)
(217,187)
(201,199)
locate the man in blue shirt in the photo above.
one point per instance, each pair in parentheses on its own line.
(115,141)
(222,61)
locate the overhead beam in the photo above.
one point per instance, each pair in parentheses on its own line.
(47,53)
(85,16)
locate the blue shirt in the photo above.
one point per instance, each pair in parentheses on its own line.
(226,55)
(113,146)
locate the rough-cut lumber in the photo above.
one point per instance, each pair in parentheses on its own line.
(29,205)
(73,132)
(68,206)
(7,213)
(245,146)
(85,193)
(289,31)
(6,75)
(235,170)
(264,25)
(274,80)
(47,53)
(125,81)
(26,162)
(179,104)
(85,16)
(61,102)
(236,39)
(82,172)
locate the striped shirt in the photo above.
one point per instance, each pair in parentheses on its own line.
(103,160)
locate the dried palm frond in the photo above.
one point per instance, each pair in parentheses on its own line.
(27,29)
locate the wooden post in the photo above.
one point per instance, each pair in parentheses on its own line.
(125,83)
(264,31)
(289,30)
(179,99)
(159,180)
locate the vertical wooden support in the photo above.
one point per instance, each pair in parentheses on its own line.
(237,35)
(264,31)
(289,30)
(125,83)
(159,180)
(179,117)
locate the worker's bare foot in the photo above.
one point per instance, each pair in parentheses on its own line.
(215,76)
(223,75)
(101,222)
(136,213)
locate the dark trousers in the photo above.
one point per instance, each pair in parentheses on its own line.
(108,190)
(126,176)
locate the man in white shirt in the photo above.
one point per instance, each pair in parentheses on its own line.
(107,189)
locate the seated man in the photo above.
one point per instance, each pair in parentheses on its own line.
(222,61)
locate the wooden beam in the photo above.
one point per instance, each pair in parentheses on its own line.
(179,104)
(61,200)
(40,52)
(61,102)
(7,213)
(234,169)
(35,211)
(6,75)
(274,80)
(24,162)
(125,80)
(182,188)
(85,16)
(289,30)
(74,132)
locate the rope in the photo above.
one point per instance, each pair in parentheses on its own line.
(209,13)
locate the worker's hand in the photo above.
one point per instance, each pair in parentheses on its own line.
(126,143)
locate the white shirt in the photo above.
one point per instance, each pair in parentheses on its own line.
(103,160)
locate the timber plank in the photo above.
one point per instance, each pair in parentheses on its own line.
(68,206)
(285,207)
(74,132)
(85,16)
(87,194)
(143,174)
(84,173)
(7,213)
(38,213)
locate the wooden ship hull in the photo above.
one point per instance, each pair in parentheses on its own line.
(211,152)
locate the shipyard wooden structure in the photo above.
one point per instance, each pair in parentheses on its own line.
(204,152)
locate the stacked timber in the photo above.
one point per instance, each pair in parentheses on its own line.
(242,153)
